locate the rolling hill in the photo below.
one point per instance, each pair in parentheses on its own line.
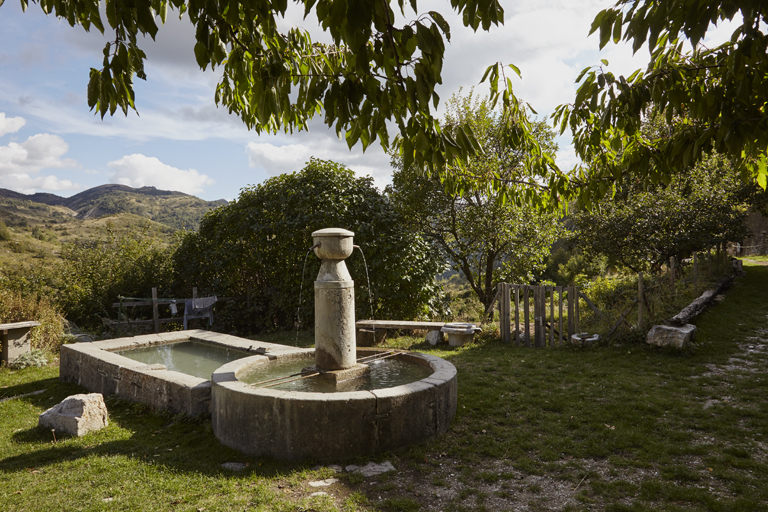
(174,209)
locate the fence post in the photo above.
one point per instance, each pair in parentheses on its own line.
(560,330)
(504,312)
(571,313)
(640,300)
(517,316)
(541,306)
(155,312)
(551,291)
(527,318)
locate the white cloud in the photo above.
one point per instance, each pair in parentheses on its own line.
(19,162)
(278,157)
(138,170)
(10,124)
(26,184)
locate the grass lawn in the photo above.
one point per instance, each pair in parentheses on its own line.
(620,428)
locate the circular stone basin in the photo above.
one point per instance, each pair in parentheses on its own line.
(289,424)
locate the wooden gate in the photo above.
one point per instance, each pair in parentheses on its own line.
(514,297)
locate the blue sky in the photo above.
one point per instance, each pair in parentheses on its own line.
(51,142)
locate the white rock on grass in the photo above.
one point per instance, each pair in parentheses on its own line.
(371,469)
(324,483)
(77,415)
(667,336)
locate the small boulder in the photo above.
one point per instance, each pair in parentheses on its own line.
(77,415)
(667,336)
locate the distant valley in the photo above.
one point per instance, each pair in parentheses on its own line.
(37,224)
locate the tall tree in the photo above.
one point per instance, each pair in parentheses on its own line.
(711,99)
(484,236)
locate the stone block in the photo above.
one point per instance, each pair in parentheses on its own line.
(15,340)
(668,336)
(77,415)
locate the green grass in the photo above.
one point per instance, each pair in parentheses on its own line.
(620,428)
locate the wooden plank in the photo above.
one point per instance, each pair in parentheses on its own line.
(517,316)
(165,302)
(155,311)
(551,291)
(560,301)
(571,313)
(398,324)
(527,317)
(178,319)
(19,325)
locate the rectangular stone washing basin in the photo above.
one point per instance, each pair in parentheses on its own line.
(99,367)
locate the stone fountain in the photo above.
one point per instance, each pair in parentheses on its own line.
(261,419)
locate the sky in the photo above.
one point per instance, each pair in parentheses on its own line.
(51,142)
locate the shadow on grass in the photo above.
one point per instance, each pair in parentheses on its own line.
(29,387)
(180,443)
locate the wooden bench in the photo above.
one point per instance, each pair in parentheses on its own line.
(15,340)
(365,329)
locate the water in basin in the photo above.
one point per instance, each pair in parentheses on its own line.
(198,359)
(387,373)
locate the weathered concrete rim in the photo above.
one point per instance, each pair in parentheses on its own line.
(97,367)
(298,425)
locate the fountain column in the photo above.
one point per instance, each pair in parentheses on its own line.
(335,345)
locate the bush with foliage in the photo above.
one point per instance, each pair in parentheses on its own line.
(259,242)
(94,273)
(16,306)
(641,228)
(5,233)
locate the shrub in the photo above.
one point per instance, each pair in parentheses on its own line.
(5,233)
(18,307)
(32,359)
(259,243)
(94,273)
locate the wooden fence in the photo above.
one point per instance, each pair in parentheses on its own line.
(155,302)
(561,298)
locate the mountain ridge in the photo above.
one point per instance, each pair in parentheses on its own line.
(175,209)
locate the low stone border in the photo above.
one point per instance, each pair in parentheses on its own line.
(96,367)
(330,426)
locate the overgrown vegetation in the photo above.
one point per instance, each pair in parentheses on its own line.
(16,306)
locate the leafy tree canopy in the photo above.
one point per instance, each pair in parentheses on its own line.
(711,99)
(381,67)
(259,242)
(643,226)
(486,237)
(379,70)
